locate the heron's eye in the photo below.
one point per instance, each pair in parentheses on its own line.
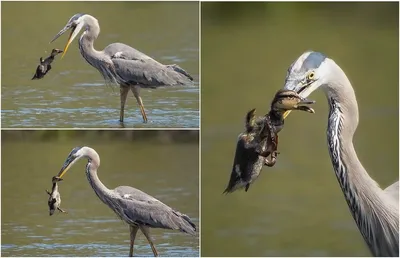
(311,76)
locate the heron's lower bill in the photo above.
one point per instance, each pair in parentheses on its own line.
(287,112)
(68,43)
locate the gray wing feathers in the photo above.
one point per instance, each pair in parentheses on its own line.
(178,69)
(144,209)
(134,67)
(148,73)
(126,52)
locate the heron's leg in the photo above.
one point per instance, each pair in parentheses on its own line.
(135,89)
(133,230)
(123,94)
(146,233)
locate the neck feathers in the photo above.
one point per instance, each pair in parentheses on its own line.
(376,219)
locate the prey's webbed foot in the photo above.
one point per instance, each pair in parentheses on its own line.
(61,210)
(271,162)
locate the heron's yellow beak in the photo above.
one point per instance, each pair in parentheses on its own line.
(287,112)
(68,43)
(64,169)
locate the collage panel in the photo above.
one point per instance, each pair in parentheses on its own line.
(140,70)
(280,140)
(264,197)
(54,204)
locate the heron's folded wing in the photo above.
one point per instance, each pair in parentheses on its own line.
(144,209)
(147,73)
(122,51)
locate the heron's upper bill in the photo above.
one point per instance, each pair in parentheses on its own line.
(70,38)
(64,169)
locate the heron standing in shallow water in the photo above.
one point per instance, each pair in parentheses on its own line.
(375,211)
(121,64)
(138,209)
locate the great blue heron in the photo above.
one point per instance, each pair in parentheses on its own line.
(45,65)
(138,209)
(375,211)
(260,139)
(121,64)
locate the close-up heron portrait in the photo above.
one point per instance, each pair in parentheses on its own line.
(108,193)
(100,65)
(329,185)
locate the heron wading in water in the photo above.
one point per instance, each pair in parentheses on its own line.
(138,209)
(375,210)
(121,64)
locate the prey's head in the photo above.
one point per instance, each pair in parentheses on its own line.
(75,24)
(307,73)
(56,179)
(285,100)
(73,157)
(56,51)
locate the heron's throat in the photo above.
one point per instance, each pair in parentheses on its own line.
(363,195)
(99,188)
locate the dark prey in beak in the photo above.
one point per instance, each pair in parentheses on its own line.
(54,201)
(258,144)
(44,66)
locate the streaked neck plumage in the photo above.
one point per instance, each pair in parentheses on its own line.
(376,217)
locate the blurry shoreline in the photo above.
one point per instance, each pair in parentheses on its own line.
(156,136)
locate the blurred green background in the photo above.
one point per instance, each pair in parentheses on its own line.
(164,164)
(295,208)
(73,93)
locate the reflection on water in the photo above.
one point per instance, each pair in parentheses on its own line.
(73,93)
(167,172)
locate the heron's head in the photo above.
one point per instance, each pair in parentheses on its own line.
(74,156)
(75,24)
(306,74)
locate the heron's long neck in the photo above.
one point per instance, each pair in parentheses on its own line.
(97,59)
(363,195)
(99,188)
(86,41)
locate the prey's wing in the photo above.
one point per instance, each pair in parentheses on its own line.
(247,164)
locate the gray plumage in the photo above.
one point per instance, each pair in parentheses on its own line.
(138,209)
(121,64)
(143,209)
(375,211)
